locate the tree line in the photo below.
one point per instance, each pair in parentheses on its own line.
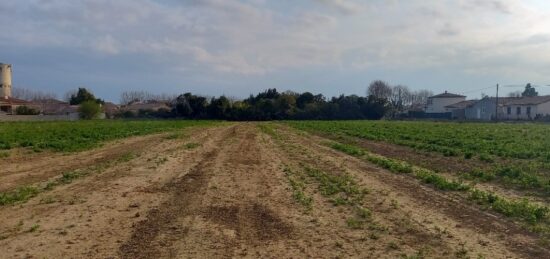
(381,100)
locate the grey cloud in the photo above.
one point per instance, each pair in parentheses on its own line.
(448,30)
(231,37)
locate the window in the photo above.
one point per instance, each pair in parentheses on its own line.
(528,110)
(509,110)
(430,101)
(518,110)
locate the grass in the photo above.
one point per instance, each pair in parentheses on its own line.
(82,135)
(268,128)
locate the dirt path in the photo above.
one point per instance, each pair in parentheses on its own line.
(237,191)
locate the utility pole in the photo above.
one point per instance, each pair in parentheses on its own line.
(496,106)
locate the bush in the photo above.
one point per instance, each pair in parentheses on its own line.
(25,110)
(89,110)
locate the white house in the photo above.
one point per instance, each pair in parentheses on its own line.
(526,108)
(437,103)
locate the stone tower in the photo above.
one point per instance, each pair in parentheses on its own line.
(5,81)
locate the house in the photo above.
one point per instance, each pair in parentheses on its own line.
(8,105)
(458,110)
(52,106)
(526,108)
(110,109)
(486,109)
(437,103)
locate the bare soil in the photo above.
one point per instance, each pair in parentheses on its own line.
(230,197)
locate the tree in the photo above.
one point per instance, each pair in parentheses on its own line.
(379,89)
(420,97)
(219,108)
(129,97)
(529,91)
(83,95)
(400,97)
(89,109)
(31,95)
(304,99)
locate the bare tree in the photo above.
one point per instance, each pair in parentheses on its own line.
(129,97)
(31,95)
(400,95)
(379,89)
(420,97)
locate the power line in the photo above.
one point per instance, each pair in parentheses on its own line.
(477,90)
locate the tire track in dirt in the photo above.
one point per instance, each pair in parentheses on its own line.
(245,210)
(482,232)
(185,197)
(90,217)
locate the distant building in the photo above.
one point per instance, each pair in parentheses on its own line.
(525,108)
(110,109)
(437,103)
(8,105)
(458,110)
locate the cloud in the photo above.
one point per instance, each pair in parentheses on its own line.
(107,45)
(258,38)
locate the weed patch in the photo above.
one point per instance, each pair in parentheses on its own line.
(20,194)
(191,145)
(298,190)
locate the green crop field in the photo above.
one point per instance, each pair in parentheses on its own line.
(523,141)
(507,156)
(515,154)
(80,135)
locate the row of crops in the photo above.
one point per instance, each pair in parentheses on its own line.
(521,141)
(80,135)
(516,155)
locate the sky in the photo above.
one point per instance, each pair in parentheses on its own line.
(241,47)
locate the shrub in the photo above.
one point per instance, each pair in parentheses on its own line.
(89,110)
(25,110)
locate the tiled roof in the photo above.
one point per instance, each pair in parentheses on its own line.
(13,101)
(462,105)
(447,95)
(533,100)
